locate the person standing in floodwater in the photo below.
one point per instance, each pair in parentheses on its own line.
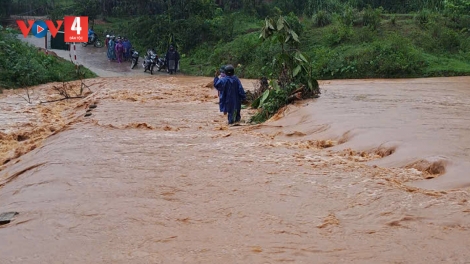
(232,94)
(220,74)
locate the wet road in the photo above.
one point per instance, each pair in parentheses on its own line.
(94,59)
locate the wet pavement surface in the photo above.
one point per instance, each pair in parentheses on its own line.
(367,173)
(94,59)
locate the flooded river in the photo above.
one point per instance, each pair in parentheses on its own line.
(422,123)
(374,171)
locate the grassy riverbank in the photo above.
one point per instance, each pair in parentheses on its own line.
(23,65)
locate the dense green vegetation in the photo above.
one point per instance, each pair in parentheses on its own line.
(336,38)
(23,65)
(343,39)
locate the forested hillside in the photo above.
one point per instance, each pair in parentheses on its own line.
(22,64)
(343,38)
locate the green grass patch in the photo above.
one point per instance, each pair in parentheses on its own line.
(393,46)
(21,64)
(405,48)
(442,66)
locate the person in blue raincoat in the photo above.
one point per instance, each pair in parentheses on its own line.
(127,49)
(91,34)
(231,94)
(220,74)
(111,51)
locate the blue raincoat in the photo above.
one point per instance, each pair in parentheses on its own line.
(111,51)
(221,108)
(231,96)
(127,48)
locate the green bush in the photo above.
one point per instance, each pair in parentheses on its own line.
(396,57)
(294,23)
(338,33)
(423,17)
(438,38)
(277,98)
(365,35)
(22,65)
(244,50)
(372,17)
(341,51)
(449,40)
(393,20)
(465,47)
(349,16)
(322,18)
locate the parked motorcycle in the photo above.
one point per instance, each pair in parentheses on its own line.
(150,61)
(135,58)
(161,64)
(95,42)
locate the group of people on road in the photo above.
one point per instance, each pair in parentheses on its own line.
(229,87)
(231,93)
(119,49)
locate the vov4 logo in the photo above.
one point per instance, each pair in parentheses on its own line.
(75,28)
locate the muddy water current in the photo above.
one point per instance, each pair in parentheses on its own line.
(420,123)
(371,172)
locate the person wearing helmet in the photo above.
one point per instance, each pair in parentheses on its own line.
(106,41)
(111,51)
(231,94)
(172,59)
(220,74)
(91,35)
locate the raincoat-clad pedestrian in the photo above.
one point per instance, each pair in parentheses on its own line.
(172,59)
(231,94)
(119,50)
(220,74)
(111,47)
(127,49)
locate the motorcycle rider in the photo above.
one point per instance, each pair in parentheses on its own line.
(172,59)
(91,35)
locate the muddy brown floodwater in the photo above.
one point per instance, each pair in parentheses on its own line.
(154,175)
